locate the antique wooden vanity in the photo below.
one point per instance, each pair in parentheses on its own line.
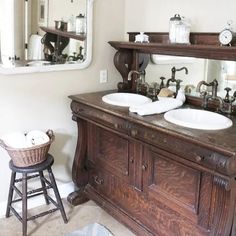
(155,177)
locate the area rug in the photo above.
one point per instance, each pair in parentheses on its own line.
(92,230)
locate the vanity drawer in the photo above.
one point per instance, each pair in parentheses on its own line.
(100,117)
(181,148)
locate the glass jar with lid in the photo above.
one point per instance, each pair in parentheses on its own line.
(80,24)
(174,21)
(179,30)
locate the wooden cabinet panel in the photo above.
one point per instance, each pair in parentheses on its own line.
(177,182)
(104,154)
(154,215)
(172,183)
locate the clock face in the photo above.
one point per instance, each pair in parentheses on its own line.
(225,37)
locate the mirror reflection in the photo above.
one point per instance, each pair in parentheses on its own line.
(45,32)
(190,71)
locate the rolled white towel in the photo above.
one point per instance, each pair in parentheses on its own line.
(181,95)
(36,137)
(15,140)
(164,104)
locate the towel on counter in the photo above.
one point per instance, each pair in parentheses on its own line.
(164,104)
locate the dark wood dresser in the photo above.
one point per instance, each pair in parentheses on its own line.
(155,177)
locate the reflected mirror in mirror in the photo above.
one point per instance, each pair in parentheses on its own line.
(47,34)
(197,70)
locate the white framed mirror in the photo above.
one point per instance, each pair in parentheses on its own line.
(32,39)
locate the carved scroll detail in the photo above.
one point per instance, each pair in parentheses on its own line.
(223,202)
(224,183)
(223,164)
(123,61)
(79,171)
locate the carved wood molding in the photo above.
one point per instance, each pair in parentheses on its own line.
(79,172)
(123,61)
(223,183)
(223,164)
(223,202)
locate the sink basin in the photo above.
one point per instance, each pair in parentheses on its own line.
(125,99)
(198,119)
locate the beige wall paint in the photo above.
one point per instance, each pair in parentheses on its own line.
(40,100)
(154,15)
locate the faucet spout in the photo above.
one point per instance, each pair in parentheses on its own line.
(140,79)
(174,70)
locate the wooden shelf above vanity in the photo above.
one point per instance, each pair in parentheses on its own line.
(203,45)
(66,34)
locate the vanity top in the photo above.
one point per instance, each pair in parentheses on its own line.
(223,141)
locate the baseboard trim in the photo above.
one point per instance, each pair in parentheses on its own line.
(64,190)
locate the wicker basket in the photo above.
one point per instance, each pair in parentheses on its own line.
(23,157)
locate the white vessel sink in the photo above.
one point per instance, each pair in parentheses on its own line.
(125,99)
(198,119)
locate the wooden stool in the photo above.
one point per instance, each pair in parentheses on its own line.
(24,195)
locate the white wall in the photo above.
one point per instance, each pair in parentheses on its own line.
(40,100)
(154,15)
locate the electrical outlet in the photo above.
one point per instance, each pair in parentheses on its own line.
(103,76)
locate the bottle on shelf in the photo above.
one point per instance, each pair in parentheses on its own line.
(80,24)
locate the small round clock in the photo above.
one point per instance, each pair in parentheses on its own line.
(227,37)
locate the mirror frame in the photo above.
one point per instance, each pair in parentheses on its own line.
(61,67)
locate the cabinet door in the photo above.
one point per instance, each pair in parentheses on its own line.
(108,151)
(179,192)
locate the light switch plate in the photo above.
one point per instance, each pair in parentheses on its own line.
(103,76)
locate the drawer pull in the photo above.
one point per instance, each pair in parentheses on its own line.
(116,126)
(134,132)
(131,160)
(198,158)
(98,181)
(144,167)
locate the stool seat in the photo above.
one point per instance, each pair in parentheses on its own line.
(27,173)
(34,168)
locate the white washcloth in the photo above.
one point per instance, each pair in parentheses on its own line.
(164,104)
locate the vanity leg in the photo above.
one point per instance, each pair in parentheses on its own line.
(78,197)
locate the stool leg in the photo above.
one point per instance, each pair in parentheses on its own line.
(45,193)
(24,204)
(57,195)
(10,194)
